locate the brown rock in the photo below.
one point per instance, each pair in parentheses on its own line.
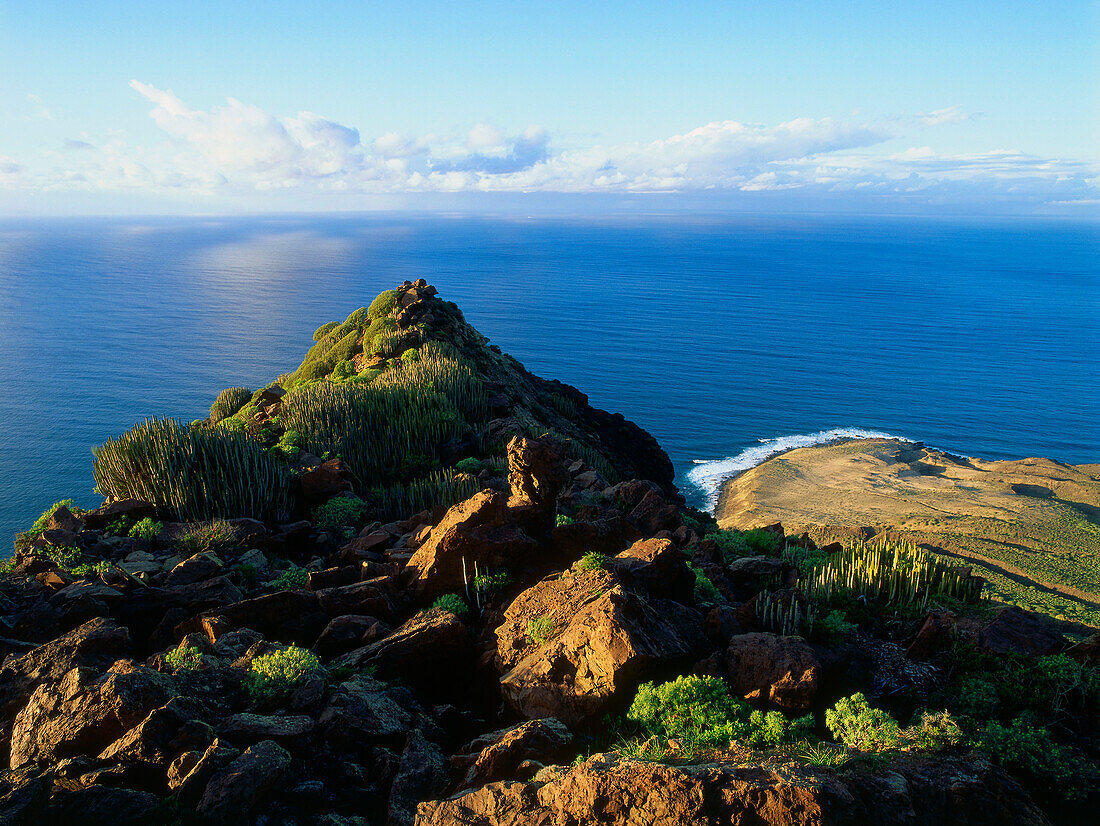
(135,509)
(473,531)
(286,616)
(64,519)
(342,634)
(373,597)
(194,568)
(327,480)
(236,791)
(603,643)
(430,644)
(536,475)
(251,728)
(656,568)
(1015,631)
(934,635)
(105,806)
(498,754)
(781,671)
(1087,651)
(360,711)
(95,645)
(81,713)
(654,514)
(421,775)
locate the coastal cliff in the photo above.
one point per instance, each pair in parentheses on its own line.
(410,582)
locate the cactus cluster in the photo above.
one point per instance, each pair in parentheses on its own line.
(441,488)
(193,473)
(786,619)
(893,573)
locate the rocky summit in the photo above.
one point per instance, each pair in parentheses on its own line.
(411,583)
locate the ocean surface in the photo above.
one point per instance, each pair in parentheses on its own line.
(714,333)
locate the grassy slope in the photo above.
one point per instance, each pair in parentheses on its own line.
(1031,526)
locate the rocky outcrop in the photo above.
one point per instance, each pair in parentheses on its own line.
(511,752)
(609,791)
(779,671)
(574,648)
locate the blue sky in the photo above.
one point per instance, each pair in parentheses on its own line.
(226,107)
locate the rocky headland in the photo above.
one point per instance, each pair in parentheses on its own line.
(1030,526)
(411,583)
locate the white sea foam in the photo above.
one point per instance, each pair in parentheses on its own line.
(708,474)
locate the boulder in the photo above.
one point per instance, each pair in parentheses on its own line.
(194,568)
(432,643)
(499,754)
(133,509)
(602,642)
(235,792)
(346,632)
(94,645)
(536,475)
(105,806)
(474,531)
(64,519)
(767,668)
(328,479)
(361,711)
(162,734)
(654,514)
(755,572)
(656,568)
(1086,651)
(421,775)
(935,635)
(373,597)
(82,714)
(1015,631)
(251,728)
(285,616)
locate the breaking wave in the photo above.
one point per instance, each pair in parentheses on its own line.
(708,474)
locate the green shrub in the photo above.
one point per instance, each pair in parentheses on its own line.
(934,731)
(93,569)
(593,561)
(1026,747)
(410,356)
(324,330)
(699,712)
(228,402)
(39,526)
(63,556)
(275,674)
(187,658)
(834,628)
(858,726)
(383,305)
(731,544)
(821,754)
(470,465)
(146,529)
(562,519)
(8,566)
(215,536)
(289,444)
(341,511)
(453,603)
(705,590)
(292,579)
(356,318)
(193,474)
(119,527)
(310,371)
(761,541)
(540,629)
(493,582)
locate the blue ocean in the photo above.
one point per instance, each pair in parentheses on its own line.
(728,337)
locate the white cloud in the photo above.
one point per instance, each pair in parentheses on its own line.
(39,110)
(238,148)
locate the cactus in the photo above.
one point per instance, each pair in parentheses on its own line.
(891,573)
(193,474)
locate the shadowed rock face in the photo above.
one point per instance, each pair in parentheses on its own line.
(1027,523)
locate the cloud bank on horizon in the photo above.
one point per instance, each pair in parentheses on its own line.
(239,148)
